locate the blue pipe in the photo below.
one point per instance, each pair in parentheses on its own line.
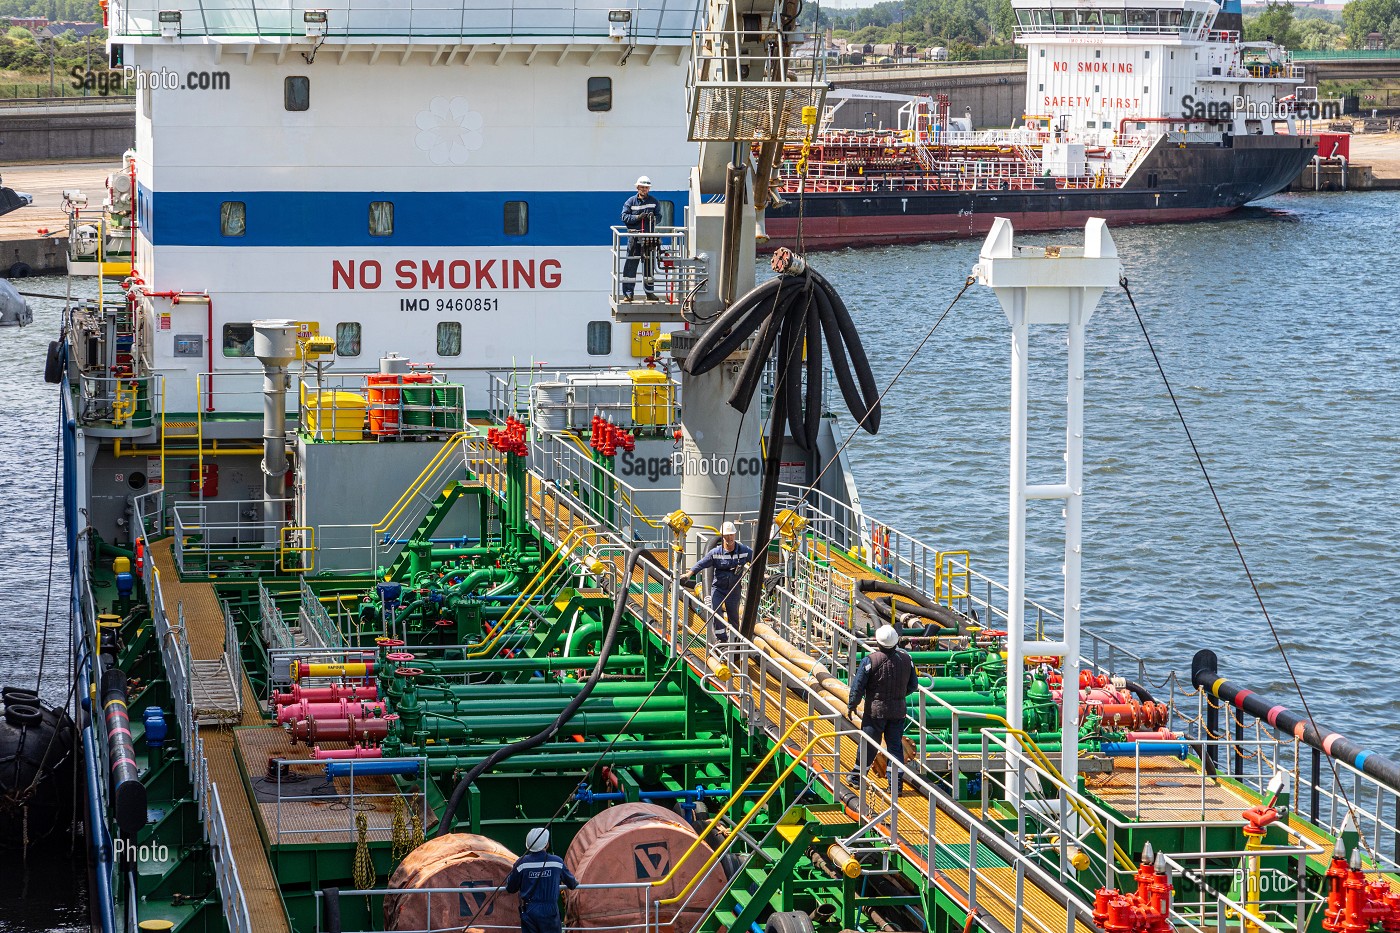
(586,795)
(1132,749)
(370,766)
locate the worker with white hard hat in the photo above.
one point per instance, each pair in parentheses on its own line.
(728,560)
(537,877)
(641,214)
(884,680)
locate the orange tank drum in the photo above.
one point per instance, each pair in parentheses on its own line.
(638,842)
(456,860)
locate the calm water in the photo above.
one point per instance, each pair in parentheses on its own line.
(1278,328)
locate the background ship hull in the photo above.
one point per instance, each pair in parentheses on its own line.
(1173,184)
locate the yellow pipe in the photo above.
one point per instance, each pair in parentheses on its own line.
(345,669)
(734,798)
(248,451)
(718,853)
(843,860)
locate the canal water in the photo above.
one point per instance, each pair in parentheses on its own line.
(1278,329)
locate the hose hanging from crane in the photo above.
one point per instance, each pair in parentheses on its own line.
(544,735)
(789,312)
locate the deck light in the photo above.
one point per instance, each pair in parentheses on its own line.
(169,24)
(315,21)
(617,23)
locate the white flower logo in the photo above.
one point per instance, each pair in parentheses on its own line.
(449,131)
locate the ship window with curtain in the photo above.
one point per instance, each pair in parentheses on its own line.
(1113,19)
(1140,19)
(238,340)
(296,92)
(347,338)
(666,216)
(233,218)
(517,219)
(381,218)
(599,94)
(449,338)
(599,338)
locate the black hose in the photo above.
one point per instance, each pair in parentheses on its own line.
(1142,693)
(544,735)
(796,309)
(879,609)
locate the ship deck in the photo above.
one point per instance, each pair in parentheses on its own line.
(204,630)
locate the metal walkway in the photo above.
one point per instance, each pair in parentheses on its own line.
(198,605)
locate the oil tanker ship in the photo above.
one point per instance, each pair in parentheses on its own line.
(381,503)
(1148,113)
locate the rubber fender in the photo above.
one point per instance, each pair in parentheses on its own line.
(19,270)
(53,363)
(22,715)
(789,921)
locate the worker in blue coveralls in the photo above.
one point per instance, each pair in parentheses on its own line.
(640,214)
(728,559)
(537,877)
(884,679)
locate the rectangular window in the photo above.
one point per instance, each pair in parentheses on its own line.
(381,218)
(238,340)
(233,218)
(599,338)
(599,94)
(666,216)
(296,93)
(347,338)
(517,219)
(449,338)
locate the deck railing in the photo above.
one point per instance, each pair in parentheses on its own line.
(438,20)
(378,807)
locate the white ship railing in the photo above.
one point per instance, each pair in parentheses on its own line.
(567,398)
(377,806)
(119,403)
(316,625)
(218,537)
(661,259)
(460,20)
(275,631)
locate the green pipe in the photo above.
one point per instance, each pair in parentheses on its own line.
(493,708)
(609,723)
(536,688)
(591,630)
(440,554)
(475,578)
(555,761)
(615,662)
(444,749)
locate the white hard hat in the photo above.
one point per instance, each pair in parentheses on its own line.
(886,636)
(643,180)
(537,840)
(728,529)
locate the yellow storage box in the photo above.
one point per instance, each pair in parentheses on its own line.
(334,415)
(652,399)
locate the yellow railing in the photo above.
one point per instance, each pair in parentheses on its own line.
(286,547)
(420,481)
(734,798)
(945,575)
(557,562)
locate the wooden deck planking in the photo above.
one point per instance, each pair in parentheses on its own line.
(204,631)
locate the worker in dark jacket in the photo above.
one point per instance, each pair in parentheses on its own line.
(641,213)
(884,680)
(537,877)
(729,559)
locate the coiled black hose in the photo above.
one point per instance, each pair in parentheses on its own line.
(544,735)
(797,308)
(880,608)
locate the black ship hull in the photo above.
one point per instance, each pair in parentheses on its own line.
(1175,182)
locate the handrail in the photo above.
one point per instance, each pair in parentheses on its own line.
(747,818)
(559,559)
(420,481)
(736,796)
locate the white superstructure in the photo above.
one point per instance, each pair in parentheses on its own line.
(434,180)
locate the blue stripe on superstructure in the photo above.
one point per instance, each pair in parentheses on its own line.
(421,218)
